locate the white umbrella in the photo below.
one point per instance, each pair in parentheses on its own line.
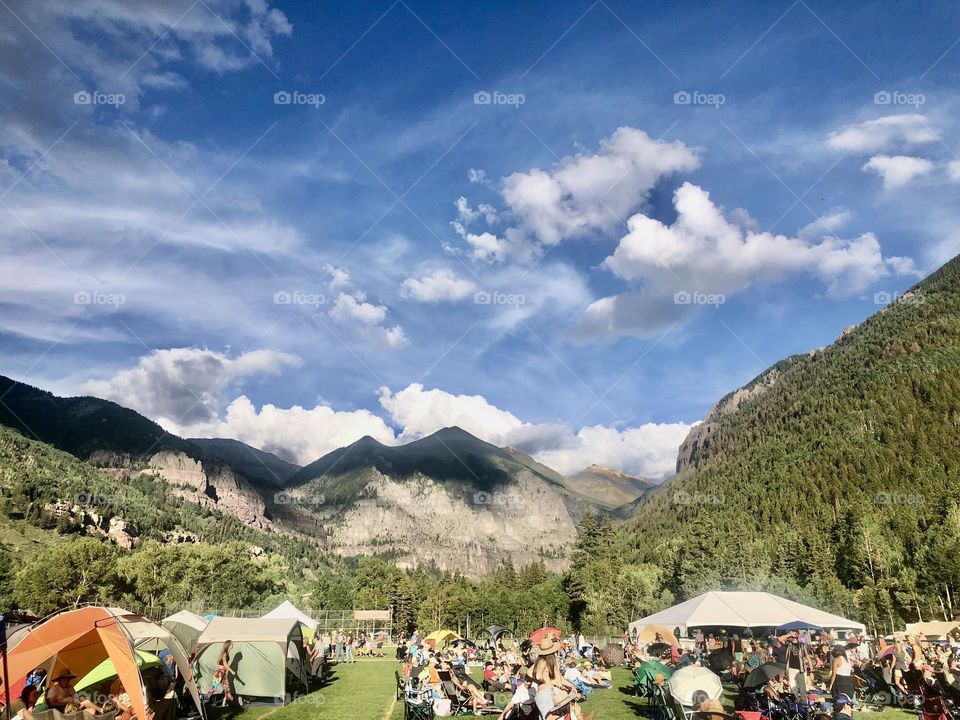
(686,681)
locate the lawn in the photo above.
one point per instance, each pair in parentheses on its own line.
(365,691)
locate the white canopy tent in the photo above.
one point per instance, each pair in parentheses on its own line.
(933,630)
(742,610)
(287,610)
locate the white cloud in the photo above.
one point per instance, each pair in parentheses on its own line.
(339,277)
(593,192)
(882,133)
(437,286)
(185,385)
(583,194)
(184,389)
(953,170)
(898,170)
(649,450)
(297,434)
(705,252)
(422,412)
(366,319)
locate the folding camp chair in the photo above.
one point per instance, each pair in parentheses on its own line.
(418,705)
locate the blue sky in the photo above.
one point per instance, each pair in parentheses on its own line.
(659,200)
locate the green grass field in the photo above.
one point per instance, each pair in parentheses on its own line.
(365,691)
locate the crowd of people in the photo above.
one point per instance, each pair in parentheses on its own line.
(547,679)
(787,674)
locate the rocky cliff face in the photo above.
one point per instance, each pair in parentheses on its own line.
(212,484)
(422,521)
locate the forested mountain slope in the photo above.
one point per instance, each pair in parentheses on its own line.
(836,475)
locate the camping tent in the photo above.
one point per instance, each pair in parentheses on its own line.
(263,650)
(106,670)
(287,609)
(79,640)
(186,627)
(933,630)
(438,638)
(741,610)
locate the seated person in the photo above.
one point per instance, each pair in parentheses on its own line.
(470,693)
(491,680)
(119,695)
(28,698)
(522,704)
(60,696)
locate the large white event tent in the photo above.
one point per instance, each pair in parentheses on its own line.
(742,610)
(288,611)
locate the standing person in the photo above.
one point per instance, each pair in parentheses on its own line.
(553,690)
(349,649)
(221,676)
(841,674)
(338,642)
(786,651)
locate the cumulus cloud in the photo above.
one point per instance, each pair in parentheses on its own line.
(366,319)
(882,133)
(438,286)
(703,251)
(185,385)
(583,194)
(649,450)
(297,434)
(898,170)
(339,277)
(588,192)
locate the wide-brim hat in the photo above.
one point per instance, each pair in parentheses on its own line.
(548,646)
(65,675)
(713,707)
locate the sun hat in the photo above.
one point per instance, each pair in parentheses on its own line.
(548,646)
(65,675)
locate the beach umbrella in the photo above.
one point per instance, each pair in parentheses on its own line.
(540,633)
(649,633)
(687,681)
(764,674)
(106,670)
(649,669)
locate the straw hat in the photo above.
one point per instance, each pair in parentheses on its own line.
(548,646)
(65,675)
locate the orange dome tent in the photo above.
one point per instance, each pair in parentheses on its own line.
(78,640)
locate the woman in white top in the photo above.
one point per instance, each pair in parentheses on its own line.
(841,673)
